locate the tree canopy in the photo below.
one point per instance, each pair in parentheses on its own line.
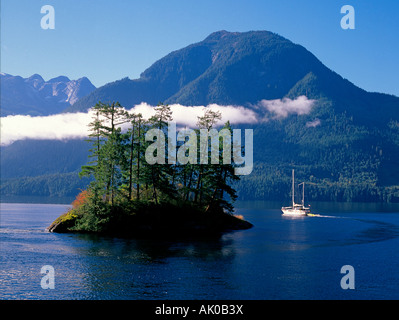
(123,178)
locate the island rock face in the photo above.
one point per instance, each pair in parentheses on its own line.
(158,223)
(63,223)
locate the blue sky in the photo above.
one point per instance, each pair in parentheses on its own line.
(108,40)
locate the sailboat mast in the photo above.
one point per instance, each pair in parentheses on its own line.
(293,187)
(303,193)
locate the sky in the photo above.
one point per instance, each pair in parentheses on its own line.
(108,40)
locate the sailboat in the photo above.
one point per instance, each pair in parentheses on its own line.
(296,210)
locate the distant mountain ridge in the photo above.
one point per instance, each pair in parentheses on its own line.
(35,96)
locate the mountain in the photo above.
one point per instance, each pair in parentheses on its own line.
(34,96)
(225,68)
(242,69)
(346,147)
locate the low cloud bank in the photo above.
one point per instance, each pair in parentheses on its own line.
(75,125)
(188,115)
(282,108)
(55,127)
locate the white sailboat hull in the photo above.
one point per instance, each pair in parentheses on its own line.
(295,212)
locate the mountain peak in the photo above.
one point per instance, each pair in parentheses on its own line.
(226,68)
(219,35)
(59,79)
(223,34)
(36,77)
(84,80)
(235,68)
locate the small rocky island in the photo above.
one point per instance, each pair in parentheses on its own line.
(137,191)
(162,220)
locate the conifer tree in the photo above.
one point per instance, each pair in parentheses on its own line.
(160,173)
(205,123)
(136,134)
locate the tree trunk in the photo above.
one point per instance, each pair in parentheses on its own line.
(138,163)
(131,166)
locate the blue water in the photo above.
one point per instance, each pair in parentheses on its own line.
(280,258)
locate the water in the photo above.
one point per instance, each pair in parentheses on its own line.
(280,258)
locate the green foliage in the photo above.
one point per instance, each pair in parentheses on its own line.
(124,183)
(93,215)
